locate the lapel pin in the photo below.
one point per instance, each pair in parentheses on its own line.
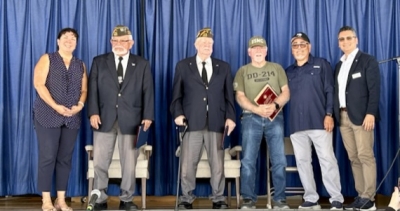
(190,63)
(133,64)
(217,65)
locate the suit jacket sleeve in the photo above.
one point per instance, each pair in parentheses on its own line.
(229,97)
(176,104)
(373,82)
(148,93)
(93,106)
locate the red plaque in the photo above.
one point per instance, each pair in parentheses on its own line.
(267,95)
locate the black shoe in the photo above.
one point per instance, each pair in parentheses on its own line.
(354,204)
(366,204)
(220,205)
(127,205)
(185,205)
(100,206)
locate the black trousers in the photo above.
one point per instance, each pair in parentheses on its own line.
(55,152)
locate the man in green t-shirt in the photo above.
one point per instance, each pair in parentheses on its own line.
(257,122)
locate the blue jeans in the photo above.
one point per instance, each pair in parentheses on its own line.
(253,129)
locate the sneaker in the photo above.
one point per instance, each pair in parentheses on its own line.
(248,204)
(366,204)
(335,205)
(353,204)
(281,205)
(308,205)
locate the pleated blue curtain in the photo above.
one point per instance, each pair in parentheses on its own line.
(170,26)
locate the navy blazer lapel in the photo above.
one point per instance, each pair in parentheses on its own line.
(194,70)
(338,69)
(215,70)
(112,68)
(130,68)
(353,67)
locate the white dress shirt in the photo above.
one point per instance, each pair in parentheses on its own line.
(208,66)
(124,62)
(343,76)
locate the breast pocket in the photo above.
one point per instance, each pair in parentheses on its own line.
(315,72)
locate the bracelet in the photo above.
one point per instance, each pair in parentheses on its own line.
(82,104)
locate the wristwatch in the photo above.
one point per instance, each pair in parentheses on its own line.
(328,114)
(276,106)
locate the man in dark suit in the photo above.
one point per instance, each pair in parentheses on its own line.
(203,95)
(120,99)
(356,107)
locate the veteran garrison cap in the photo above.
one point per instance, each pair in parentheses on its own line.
(300,35)
(257,41)
(205,32)
(121,30)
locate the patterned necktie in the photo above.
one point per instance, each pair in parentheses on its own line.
(204,74)
(120,72)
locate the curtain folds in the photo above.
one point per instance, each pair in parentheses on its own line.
(170,26)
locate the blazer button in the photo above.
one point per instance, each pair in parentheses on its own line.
(207,87)
(116,106)
(119,94)
(204,99)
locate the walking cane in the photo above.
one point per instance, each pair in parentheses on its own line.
(181,134)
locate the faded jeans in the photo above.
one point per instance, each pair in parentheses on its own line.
(254,127)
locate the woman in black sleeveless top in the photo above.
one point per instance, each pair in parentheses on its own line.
(60,81)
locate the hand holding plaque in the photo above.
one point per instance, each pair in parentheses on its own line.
(267,95)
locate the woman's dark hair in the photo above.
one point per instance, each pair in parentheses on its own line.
(65,30)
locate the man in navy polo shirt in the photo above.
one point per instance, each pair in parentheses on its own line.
(311,122)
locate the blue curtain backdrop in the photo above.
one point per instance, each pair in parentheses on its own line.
(164,32)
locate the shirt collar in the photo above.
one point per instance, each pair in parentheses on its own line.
(199,61)
(350,56)
(124,58)
(309,61)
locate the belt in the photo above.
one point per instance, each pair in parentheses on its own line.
(343,109)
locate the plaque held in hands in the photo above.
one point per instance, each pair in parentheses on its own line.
(267,95)
(141,137)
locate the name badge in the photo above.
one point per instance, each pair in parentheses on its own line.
(317,66)
(356,75)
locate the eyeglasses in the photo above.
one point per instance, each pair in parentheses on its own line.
(341,39)
(120,41)
(301,45)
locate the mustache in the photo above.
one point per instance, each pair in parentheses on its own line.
(120,50)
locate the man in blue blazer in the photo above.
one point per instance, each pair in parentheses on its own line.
(203,96)
(356,107)
(121,97)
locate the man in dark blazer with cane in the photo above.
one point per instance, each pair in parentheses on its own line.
(203,96)
(120,99)
(356,107)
